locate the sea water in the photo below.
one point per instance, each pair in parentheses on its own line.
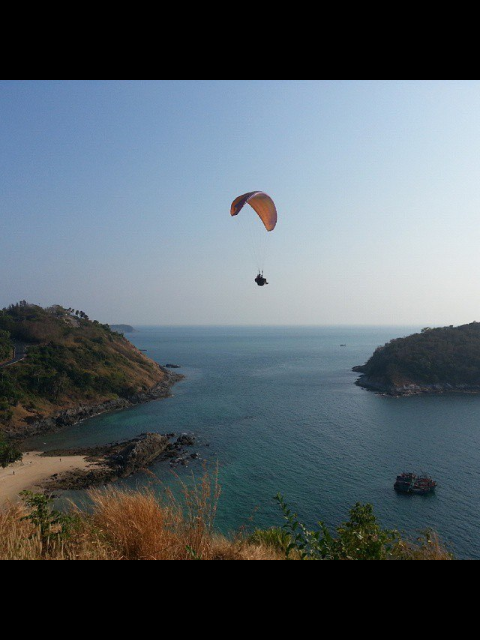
(278,409)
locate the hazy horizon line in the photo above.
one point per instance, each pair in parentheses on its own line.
(270,325)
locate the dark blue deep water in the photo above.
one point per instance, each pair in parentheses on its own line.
(281,413)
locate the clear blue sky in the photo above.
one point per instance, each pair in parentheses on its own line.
(115,197)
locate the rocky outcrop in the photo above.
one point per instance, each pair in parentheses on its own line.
(412,389)
(120,460)
(35,426)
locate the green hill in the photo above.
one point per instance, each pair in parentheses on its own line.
(70,362)
(122,328)
(433,361)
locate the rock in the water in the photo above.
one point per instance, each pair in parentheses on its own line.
(121,460)
(186,440)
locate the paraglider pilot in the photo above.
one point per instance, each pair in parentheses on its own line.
(265,208)
(260,280)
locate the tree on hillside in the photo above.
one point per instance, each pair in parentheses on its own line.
(8,453)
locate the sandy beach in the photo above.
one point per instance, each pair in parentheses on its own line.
(33,471)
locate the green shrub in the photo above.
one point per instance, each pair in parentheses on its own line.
(360,538)
(52,524)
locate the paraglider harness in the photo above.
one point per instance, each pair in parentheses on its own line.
(260,280)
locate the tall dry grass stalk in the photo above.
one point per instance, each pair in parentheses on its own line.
(21,540)
(17,537)
(139,525)
(133,525)
(426,547)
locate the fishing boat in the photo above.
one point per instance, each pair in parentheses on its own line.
(413,484)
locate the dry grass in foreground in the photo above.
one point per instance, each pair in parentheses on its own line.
(125,525)
(138,525)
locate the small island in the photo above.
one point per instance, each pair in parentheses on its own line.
(122,328)
(440,360)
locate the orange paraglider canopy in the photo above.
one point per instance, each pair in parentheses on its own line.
(261,203)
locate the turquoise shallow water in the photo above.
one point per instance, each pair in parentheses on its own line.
(281,413)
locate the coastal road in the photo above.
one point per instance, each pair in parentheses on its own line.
(19,355)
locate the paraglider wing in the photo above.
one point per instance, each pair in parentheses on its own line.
(261,203)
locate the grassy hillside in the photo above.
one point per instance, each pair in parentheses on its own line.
(70,361)
(448,355)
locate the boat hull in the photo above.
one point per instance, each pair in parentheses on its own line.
(412,484)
